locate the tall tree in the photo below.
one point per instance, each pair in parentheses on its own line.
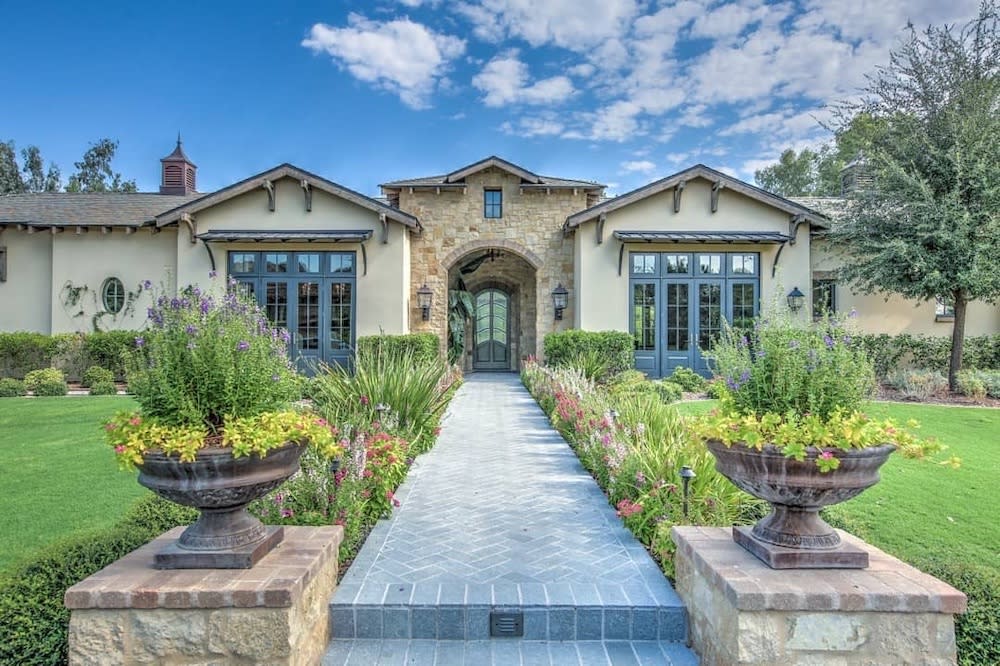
(94,172)
(36,179)
(930,224)
(10,175)
(793,175)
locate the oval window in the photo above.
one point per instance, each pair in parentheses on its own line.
(113,295)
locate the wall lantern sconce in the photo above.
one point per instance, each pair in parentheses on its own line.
(559,299)
(796,299)
(424,298)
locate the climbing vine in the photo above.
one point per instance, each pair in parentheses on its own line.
(75,302)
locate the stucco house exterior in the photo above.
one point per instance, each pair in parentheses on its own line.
(666,262)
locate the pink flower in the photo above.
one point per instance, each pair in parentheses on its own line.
(110,426)
(365,400)
(826,455)
(120,448)
(287,513)
(135,420)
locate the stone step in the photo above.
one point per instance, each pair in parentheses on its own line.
(506,652)
(559,612)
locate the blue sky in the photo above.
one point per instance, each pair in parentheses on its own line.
(619,91)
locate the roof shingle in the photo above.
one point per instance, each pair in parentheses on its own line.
(87,208)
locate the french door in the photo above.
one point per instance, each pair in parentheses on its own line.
(679,302)
(492,330)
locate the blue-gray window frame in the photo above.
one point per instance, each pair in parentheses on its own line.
(329,273)
(653,362)
(819,286)
(493,210)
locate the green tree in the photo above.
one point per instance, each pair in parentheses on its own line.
(794,175)
(94,172)
(36,178)
(10,174)
(930,224)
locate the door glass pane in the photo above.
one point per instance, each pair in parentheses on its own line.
(276,262)
(644,313)
(710,264)
(709,314)
(678,331)
(743,264)
(341,297)
(744,298)
(247,289)
(308,313)
(676,263)
(644,264)
(244,262)
(308,262)
(499,332)
(276,303)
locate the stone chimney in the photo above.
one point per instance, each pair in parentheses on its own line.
(855,177)
(177,172)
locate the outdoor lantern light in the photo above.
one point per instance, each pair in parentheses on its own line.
(424,298)
(559,298)
(686,475)
(796,299)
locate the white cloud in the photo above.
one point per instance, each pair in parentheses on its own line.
(504,80)
(401,56)
(533,126)
(638,166)
(616,122)
(583,70)
(676,158)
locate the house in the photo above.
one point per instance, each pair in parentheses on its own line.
(667,262)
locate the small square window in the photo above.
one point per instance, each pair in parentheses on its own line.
(342,262)
(710,264)
(244,262)
(644,264)
(276,262)
(824,297)
(492,203)
(743,264)
(676,263)
(308,263)
(944,309)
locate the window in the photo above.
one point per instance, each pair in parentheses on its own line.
(492,203)
(308,262)
(3,264)
(824,297)
(710,264)
(644,264)
(676,263)
(276,262)
(243,262)
(743,264)
(944,309)
(113,295)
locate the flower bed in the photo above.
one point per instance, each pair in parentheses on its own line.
(634,445)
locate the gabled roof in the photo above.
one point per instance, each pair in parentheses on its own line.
(697,171)
(528,179)
(286,171)
(108,209)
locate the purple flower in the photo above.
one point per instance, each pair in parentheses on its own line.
(212,274)
(287,513)
(139,342)
(794,344)
(206,305)
(853,314)
(175,303)
(745,376)
(242,346)
(190,329)
(146,284)
(828,341)
(191,345)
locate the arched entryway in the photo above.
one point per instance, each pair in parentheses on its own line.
(500,285)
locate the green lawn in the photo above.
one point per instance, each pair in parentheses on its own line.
(57,475)
(920,510)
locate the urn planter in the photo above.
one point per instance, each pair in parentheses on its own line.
(793,535)
(220,486)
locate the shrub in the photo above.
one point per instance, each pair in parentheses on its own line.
(108,350)
(667,391)
(11,388)
(95,374)
(970,383)
(896,352)
(103,388)
(21,351)
(688,379)
(48,381)
(594,364)
(715,389)
(919,384)
(422,346)
(614,346)
(977,632)
(33,622)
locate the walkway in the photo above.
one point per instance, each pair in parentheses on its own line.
(500,516)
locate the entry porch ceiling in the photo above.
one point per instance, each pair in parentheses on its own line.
(772,237)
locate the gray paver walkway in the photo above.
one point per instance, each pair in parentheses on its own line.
(500,514)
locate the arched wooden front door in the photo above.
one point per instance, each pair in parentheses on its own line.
(492,331)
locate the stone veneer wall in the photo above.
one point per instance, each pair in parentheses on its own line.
(454,227)
(275,613)
(742,612)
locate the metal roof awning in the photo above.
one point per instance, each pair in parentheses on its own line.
(283,236)
(702,237)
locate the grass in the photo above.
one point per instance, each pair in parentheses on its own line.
(58,476)
(921,510)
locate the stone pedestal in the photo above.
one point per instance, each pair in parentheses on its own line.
(741,611)
(274,613)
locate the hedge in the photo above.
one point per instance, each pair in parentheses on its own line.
(33,621)
(73,353)
(423,346)
(613,347)
(892,352)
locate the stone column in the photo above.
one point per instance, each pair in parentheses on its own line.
(274,613)
(743,612)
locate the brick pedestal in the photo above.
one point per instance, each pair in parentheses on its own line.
(742,612)
(275,613)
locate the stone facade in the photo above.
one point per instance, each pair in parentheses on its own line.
(275,613)
(742,612)
(530,229)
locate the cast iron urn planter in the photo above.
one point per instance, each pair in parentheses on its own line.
(220,486)
(793,535)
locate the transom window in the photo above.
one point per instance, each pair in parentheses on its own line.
(695,264)
(113,295)
(492,203)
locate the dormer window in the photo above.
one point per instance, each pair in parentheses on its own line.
(492,204)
